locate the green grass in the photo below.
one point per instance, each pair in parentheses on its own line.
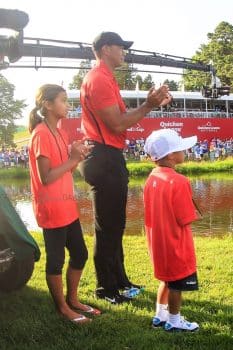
(21,136)
(140,169)
(206,167)
(187,168)
(28,320)
(14,173)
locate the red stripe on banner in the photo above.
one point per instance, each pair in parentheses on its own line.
(204,128)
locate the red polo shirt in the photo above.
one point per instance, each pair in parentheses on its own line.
(98,91)
(54,204)
(169,210)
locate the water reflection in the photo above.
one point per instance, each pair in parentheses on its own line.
(213,194)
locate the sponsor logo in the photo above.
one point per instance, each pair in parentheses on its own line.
(79,130)
(137,127)
(170,124)
(177,126)
(208,127)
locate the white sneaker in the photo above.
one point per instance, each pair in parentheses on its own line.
(182,326)
(159,321)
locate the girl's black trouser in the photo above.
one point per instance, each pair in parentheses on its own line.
(105,170)
(57,239)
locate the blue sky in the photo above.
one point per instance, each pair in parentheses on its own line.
(175,27)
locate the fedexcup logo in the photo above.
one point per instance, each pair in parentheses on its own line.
(137,127)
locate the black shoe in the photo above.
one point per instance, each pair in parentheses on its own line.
(117,299)
(132,285)
(101,293)
(111,297)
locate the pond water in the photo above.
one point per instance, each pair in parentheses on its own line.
(213,193)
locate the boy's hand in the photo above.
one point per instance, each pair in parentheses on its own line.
(197,209)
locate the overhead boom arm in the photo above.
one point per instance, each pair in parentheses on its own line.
(16,46)
(47,48)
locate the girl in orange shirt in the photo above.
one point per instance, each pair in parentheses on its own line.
(54,202)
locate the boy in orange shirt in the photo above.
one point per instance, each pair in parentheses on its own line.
(169,211)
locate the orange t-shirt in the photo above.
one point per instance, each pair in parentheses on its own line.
(98,91)
(54,204)
(169,210)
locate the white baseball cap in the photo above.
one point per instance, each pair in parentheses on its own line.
(164,141)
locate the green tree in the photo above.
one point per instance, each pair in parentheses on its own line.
(138,81)
(78,78)
(147,83)
(10,111)
(218,52)
(128,80)
(125,77)
(172,84)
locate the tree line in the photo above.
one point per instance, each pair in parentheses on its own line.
(127,78)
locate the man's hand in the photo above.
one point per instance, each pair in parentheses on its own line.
(158,97)
(118,122)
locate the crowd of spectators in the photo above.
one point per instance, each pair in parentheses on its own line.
(12,157)
(134,150)
(203,150)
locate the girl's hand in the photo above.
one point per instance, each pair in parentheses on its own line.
(79,151)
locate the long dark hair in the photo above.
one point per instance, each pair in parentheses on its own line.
(47,92)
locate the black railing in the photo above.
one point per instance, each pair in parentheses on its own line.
(174,114)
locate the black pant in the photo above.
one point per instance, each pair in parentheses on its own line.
(56,239)
(105,170)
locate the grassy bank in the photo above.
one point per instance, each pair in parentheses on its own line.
(14,173)
(28,320)
(143,169)
(21,136)
(187,168)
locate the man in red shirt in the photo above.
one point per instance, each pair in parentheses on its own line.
(169,211)
(104,123)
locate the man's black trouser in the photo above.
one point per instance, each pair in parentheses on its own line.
(105,170)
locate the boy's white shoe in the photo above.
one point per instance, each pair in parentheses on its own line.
(159,320)
(181,326)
